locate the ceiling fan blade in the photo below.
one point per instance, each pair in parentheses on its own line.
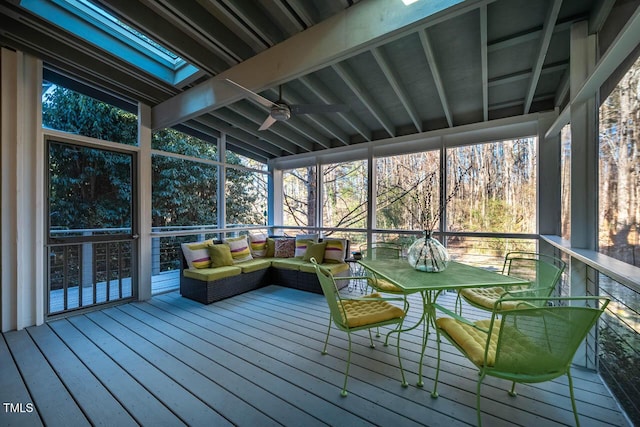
(318,108)
(267,123)
(260,99)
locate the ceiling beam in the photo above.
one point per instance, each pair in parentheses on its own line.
(599,15)
(522,75)
(292,24)
(299,8)
(321,91)
(625,42)
(547,32)
(374,108)
(563,89)
(256,22)
(202,27)
(325,43)
(527,36)
(233,22)
(394,81)
(484,73)
(433,65)
(519,102)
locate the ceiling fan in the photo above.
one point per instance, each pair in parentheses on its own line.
(281,111)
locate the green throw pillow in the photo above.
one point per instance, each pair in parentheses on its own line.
(220,255)
(315,250)
(271,248)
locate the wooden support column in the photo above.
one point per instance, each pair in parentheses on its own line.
(22,286)
(144,191)
(549,180)
(584,154)
(222,178)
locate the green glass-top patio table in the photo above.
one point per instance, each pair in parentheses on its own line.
(430,285)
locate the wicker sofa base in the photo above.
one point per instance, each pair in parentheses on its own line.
(216,290)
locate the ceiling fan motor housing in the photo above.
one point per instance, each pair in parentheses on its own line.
(280,112)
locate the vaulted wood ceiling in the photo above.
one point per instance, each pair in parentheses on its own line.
(475,61)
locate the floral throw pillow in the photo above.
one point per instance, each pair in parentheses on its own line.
(285,248)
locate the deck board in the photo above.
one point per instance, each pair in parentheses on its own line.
(133,396)
(52,400)
(255,359)
(96,402)
(13,390)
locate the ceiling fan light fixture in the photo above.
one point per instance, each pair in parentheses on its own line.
(280,112)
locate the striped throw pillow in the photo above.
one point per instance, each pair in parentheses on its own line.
(258,245)
(239,249)
(197,254)
(301,247)
(302,243)
(336,251)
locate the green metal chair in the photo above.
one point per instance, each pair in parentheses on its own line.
(382,250)
(355,314)
(542,271)
(531,342)
(385,250)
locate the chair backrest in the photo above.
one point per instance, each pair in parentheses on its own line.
(382,250)
(331,293)
(543,271)
(539,341)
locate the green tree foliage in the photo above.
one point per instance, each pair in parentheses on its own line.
(69,111)
(91,188)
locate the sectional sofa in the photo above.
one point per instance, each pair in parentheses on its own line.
(212,283)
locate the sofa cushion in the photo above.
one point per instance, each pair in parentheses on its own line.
(220,255)
(197,254)
(239,249)
(254,265)
(315,250)
(258,245)
(336,250)
(285,248)
(288,263)
(208,274)
(332,267)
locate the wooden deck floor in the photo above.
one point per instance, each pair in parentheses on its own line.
(254,360)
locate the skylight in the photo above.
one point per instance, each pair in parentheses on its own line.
(102,29)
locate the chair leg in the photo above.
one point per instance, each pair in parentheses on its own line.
(458,307)
(434,393)
(371,345)
(399,329)
(343,393)
(573,399)
(482,375)
(512,392)
(326,341)
(404,381)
